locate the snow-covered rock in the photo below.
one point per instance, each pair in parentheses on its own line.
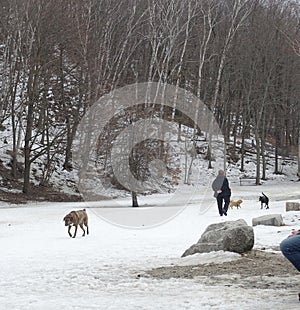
(292,206)
(270,220)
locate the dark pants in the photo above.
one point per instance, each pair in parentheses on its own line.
(220,200)
(290,248)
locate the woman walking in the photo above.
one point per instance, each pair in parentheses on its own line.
(222,192)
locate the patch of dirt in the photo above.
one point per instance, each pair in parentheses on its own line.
(256,269)
(37,194)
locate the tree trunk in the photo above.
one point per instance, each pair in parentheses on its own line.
(242,169)
(257,141)
(299,151)
(68,153)
(27,149)
(276,171)
(263,156)
(134,200)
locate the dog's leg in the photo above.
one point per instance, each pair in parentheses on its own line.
(81,226)
(87,226)
(76,226)
(69,230)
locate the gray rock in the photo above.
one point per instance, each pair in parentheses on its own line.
(239,239)
(292,206)
(202,248)
(233,236)
(269,220)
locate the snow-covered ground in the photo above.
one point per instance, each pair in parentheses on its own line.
(43,268)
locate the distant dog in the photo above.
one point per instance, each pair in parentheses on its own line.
(75,218)
(264,200)
(236,204)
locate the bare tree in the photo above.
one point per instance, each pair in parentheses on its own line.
(238,13)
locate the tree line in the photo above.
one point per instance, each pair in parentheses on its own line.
(57,57)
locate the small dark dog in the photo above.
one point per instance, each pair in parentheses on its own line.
(264,200)
(75,218)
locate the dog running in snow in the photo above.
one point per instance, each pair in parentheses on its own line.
(75,218)
(236,204)
(264,200)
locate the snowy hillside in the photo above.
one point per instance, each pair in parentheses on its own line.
(62,181)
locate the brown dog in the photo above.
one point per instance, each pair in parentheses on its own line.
(75,218)
(236,204)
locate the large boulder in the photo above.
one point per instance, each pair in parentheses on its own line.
(233,236)
(269,220)
(292,206)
